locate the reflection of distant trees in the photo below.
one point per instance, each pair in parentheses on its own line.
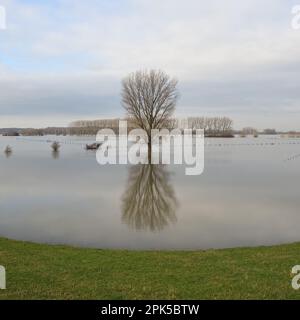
(149,202)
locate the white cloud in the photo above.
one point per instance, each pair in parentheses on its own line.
(240,58)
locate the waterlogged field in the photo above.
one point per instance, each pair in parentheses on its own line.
(248,195)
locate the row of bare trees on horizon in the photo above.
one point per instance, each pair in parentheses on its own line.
(211,125)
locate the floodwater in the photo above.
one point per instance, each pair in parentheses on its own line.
(248,195)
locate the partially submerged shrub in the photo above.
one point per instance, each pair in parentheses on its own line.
(8,150)
(55,146)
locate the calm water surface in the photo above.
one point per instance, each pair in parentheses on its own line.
(248,195)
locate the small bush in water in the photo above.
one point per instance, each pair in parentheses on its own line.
(55,146)
(8,149)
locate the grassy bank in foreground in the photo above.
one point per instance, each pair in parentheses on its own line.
(37,271)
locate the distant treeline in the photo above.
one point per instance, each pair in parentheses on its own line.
(213,126)
(59,131)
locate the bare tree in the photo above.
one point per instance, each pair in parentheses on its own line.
(149,98)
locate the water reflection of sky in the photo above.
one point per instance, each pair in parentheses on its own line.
(247,195)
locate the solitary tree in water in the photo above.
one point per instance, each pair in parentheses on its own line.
(149,97)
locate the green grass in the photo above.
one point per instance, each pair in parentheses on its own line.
(37,271)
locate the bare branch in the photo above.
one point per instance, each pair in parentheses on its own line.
(149,98)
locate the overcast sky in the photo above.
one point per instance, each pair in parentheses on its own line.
(62,60)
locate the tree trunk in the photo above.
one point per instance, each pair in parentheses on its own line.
(149,149)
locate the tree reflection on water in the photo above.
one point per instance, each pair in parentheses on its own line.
(149,202)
